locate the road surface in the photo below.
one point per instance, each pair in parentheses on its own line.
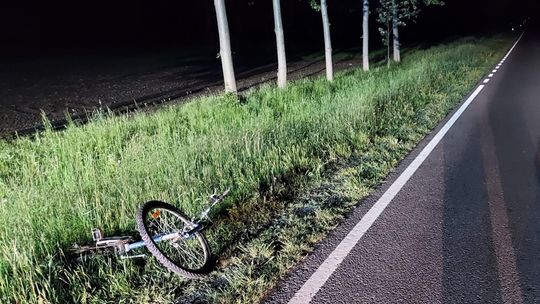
(465,227)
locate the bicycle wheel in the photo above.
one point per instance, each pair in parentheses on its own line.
(187,257)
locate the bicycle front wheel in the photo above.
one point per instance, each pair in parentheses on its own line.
(187,257)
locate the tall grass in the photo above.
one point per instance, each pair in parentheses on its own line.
(56,186)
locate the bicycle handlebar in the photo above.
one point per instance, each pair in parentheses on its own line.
(214,199)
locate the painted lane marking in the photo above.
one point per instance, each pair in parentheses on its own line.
(494,71)
(327,268)
(486,81)
(310,288)
(491,75)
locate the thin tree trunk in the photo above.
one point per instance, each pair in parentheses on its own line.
(280,42)
(388,43)
(327,42)
(365,37)
(225,46)
(395,30)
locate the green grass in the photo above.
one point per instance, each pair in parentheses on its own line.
(297,160)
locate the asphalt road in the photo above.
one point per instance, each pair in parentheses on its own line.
(465,228)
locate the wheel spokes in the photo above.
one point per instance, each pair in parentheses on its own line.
(190,252)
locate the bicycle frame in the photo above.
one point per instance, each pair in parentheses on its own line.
(122,245)
(166,237)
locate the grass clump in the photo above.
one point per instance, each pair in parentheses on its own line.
(333,141)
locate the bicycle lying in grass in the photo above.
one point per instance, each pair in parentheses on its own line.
(176,241)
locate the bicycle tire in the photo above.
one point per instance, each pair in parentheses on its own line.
(169,263)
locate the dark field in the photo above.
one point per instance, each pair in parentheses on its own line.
(80,83)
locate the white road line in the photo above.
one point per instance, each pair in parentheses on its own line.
(510,51)
(494,71)
(329,266)
(486,81)
(491,75)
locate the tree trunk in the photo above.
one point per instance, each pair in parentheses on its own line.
(327,42)
(365,36)
(280,42)
(395,30)
(225,47)
(388,44)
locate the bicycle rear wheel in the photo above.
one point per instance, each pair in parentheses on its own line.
(187,257)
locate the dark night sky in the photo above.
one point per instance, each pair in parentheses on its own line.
(152,23)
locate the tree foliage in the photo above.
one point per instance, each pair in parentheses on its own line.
(402,11)
(316,5)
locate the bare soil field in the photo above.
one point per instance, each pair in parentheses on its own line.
(79,84)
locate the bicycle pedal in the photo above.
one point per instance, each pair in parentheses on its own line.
(96,234)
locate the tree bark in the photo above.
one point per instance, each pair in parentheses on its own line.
(365,37)
(388,43)
(280,42)
(225,47)
(395,30)
(327,42)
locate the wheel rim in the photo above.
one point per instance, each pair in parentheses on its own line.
(189,254)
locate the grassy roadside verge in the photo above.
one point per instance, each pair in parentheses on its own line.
(297,160)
